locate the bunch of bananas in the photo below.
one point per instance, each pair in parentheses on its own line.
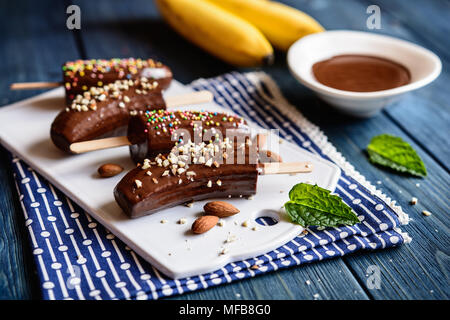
(239,32)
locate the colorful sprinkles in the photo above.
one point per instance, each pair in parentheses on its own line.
(165,121)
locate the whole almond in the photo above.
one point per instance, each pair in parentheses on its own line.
(220,209)
(269,156)
(204,223)
(109,170)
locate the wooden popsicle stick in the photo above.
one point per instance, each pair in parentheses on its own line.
(285,167)
(189,98)
(99,144)
(34,85)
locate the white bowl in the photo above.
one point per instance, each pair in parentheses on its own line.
(423,65)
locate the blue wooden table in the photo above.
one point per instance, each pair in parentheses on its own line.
(34,42)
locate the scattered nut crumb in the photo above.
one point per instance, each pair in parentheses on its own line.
(250,197)
(155,180)
(414,200)
(303,233)
(254,267)
(190,204)
(308,282)
(245,223)
(164,221)
(426,213)
(255,228)
(418,185)
(182,221)
(146,164)
(190,173)
(223,251)
(138,183)
(221,223)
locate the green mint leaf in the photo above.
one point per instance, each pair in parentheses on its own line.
(394,153)
(314,206)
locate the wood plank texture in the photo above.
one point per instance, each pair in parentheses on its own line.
(35,43)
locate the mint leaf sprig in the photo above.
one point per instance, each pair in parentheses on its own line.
(314,206)
(392,152)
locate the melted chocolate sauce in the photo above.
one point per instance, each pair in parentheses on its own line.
(360,73)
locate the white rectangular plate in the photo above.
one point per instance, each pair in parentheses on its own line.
(170,247)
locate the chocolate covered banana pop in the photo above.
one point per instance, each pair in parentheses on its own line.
(99,111)
(169,181)
(81,75)
(157,131)
(192,172)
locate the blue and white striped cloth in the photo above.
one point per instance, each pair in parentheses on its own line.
(77,258)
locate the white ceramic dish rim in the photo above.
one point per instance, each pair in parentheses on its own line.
(322,89)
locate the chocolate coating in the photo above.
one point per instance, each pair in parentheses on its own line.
(80,75)
(151,133)
(235,180)
(74,126)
